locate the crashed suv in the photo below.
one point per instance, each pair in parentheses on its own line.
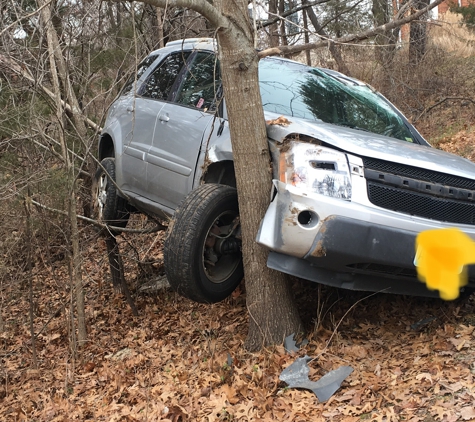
(354,182)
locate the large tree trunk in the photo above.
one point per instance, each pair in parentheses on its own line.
(272,312)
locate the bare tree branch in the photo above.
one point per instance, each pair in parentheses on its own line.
(203,7)
(96,223)
(12,66)
(8,27)
(443,100)
(265,23)
(348,38)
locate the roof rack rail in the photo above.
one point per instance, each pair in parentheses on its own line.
(189,41)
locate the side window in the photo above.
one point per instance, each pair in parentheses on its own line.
(141,68)
(160,82)
(201,87)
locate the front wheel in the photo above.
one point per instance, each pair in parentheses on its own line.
(107,206)
(202,251)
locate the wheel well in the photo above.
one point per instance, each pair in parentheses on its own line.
(106,147)
(221,172)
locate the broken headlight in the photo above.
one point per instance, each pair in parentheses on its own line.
(315,169)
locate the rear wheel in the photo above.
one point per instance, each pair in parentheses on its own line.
(202,251)
(107,206)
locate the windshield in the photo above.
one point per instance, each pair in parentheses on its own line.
(297,90)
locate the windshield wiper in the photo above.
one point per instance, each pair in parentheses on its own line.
(351,126)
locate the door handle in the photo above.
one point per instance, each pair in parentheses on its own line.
(164,117)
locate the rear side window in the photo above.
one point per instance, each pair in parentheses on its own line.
(160,82)
(201,86)
(141,68)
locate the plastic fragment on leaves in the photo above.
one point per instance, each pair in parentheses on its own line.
(290,345)
(296,376)
(441,259)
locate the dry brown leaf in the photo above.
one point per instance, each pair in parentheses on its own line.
(424,376)
(281,121)
(467,413)
(230,393)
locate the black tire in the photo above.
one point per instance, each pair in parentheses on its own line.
(203,262)
(107,206)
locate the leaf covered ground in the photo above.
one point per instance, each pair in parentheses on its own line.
(413,358)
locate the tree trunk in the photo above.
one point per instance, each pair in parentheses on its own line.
(58,66)
(306,37)
(334,49)
(386,42)
(282,27)
(160,19)
(29,267)
(274,28)
(272,311)
(418,35)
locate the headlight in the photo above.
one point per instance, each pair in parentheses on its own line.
(315,169)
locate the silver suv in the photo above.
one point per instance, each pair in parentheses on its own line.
(354,182)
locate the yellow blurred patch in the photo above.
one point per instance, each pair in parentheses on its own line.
(441,259)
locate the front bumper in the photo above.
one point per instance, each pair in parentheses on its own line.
(342,243)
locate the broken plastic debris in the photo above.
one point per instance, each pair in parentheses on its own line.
(296,376)
(289,344)
(419,325)
(441,257)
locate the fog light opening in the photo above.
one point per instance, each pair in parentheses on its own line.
(307,219)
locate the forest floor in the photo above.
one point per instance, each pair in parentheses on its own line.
(413,358)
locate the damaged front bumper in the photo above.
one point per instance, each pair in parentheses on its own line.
(344,243)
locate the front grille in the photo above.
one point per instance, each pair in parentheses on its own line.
(418,173)
(420,192)
(421,205)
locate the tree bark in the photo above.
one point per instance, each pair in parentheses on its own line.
(385,43)
(306,37)
(274,28)
(272,311)
(282,27)
(160,18)
(418,35)
(29,267)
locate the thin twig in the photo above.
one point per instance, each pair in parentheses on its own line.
(158,226)
(341,320)
(441,102)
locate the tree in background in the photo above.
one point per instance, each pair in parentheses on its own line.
(418,34)
(468,14)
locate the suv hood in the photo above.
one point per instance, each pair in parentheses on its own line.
(366,144)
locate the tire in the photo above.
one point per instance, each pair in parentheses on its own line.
(203,260)
(107,206)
